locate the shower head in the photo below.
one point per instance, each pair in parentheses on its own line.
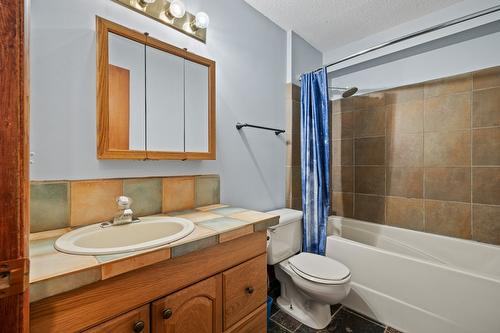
(348,92)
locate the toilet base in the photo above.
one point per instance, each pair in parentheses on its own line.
(313,314)
(300,306)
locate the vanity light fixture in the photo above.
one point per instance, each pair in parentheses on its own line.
(201,21)
(172,13)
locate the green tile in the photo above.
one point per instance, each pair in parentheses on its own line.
(60,284)
(222,224)
(183,249)
(49,206)
(207,190)
(146,195)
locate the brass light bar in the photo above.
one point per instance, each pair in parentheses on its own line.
(158,10)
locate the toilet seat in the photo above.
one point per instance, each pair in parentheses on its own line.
(320,269)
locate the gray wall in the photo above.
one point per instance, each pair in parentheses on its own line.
(250,52)
(304,57)
(459,49)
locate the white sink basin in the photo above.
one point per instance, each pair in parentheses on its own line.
(148,233)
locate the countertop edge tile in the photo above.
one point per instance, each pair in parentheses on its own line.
(264,224)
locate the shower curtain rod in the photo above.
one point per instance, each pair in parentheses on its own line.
(416,34)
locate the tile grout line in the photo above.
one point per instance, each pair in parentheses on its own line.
(424,215)
(353,165)
(385,157)
(471,105)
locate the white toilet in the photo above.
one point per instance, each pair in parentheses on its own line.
(309,282)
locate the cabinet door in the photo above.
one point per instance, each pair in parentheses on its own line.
(135,321)
(196,308)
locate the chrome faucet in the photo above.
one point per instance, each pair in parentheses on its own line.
(125,215)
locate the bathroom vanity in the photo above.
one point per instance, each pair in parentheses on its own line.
(206,282)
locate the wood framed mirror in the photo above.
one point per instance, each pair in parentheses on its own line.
(154,100)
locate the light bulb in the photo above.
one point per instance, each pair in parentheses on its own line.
(177,9)
(201,20)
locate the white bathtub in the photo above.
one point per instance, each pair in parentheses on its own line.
(418,282)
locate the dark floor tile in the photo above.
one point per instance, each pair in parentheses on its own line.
(272,327)
(307,329)
(274,308)
(334,308)
(350,322)
(285,320)
(347,321)
(359,314)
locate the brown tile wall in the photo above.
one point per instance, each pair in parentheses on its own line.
(293,195)
(423,157)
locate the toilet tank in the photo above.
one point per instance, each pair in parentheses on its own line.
(285,238)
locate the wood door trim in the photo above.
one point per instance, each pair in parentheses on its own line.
(105,299)
(14,277)
(119,107)
(14,178)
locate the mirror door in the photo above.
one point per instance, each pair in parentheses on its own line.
(196,106)
(165,101)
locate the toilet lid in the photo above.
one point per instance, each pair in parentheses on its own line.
(318,268)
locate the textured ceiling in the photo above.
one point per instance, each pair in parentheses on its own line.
(328,24)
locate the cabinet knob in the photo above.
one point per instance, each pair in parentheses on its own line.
(249,290)
(167,313)
(139,326)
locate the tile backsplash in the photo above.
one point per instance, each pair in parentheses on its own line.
(61,204)
(424,157)
(93,200)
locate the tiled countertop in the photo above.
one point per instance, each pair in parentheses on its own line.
(53,272)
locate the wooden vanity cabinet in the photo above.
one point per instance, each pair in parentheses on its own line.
(214,290)
(135,321)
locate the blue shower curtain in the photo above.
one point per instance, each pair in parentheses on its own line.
(315,160)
